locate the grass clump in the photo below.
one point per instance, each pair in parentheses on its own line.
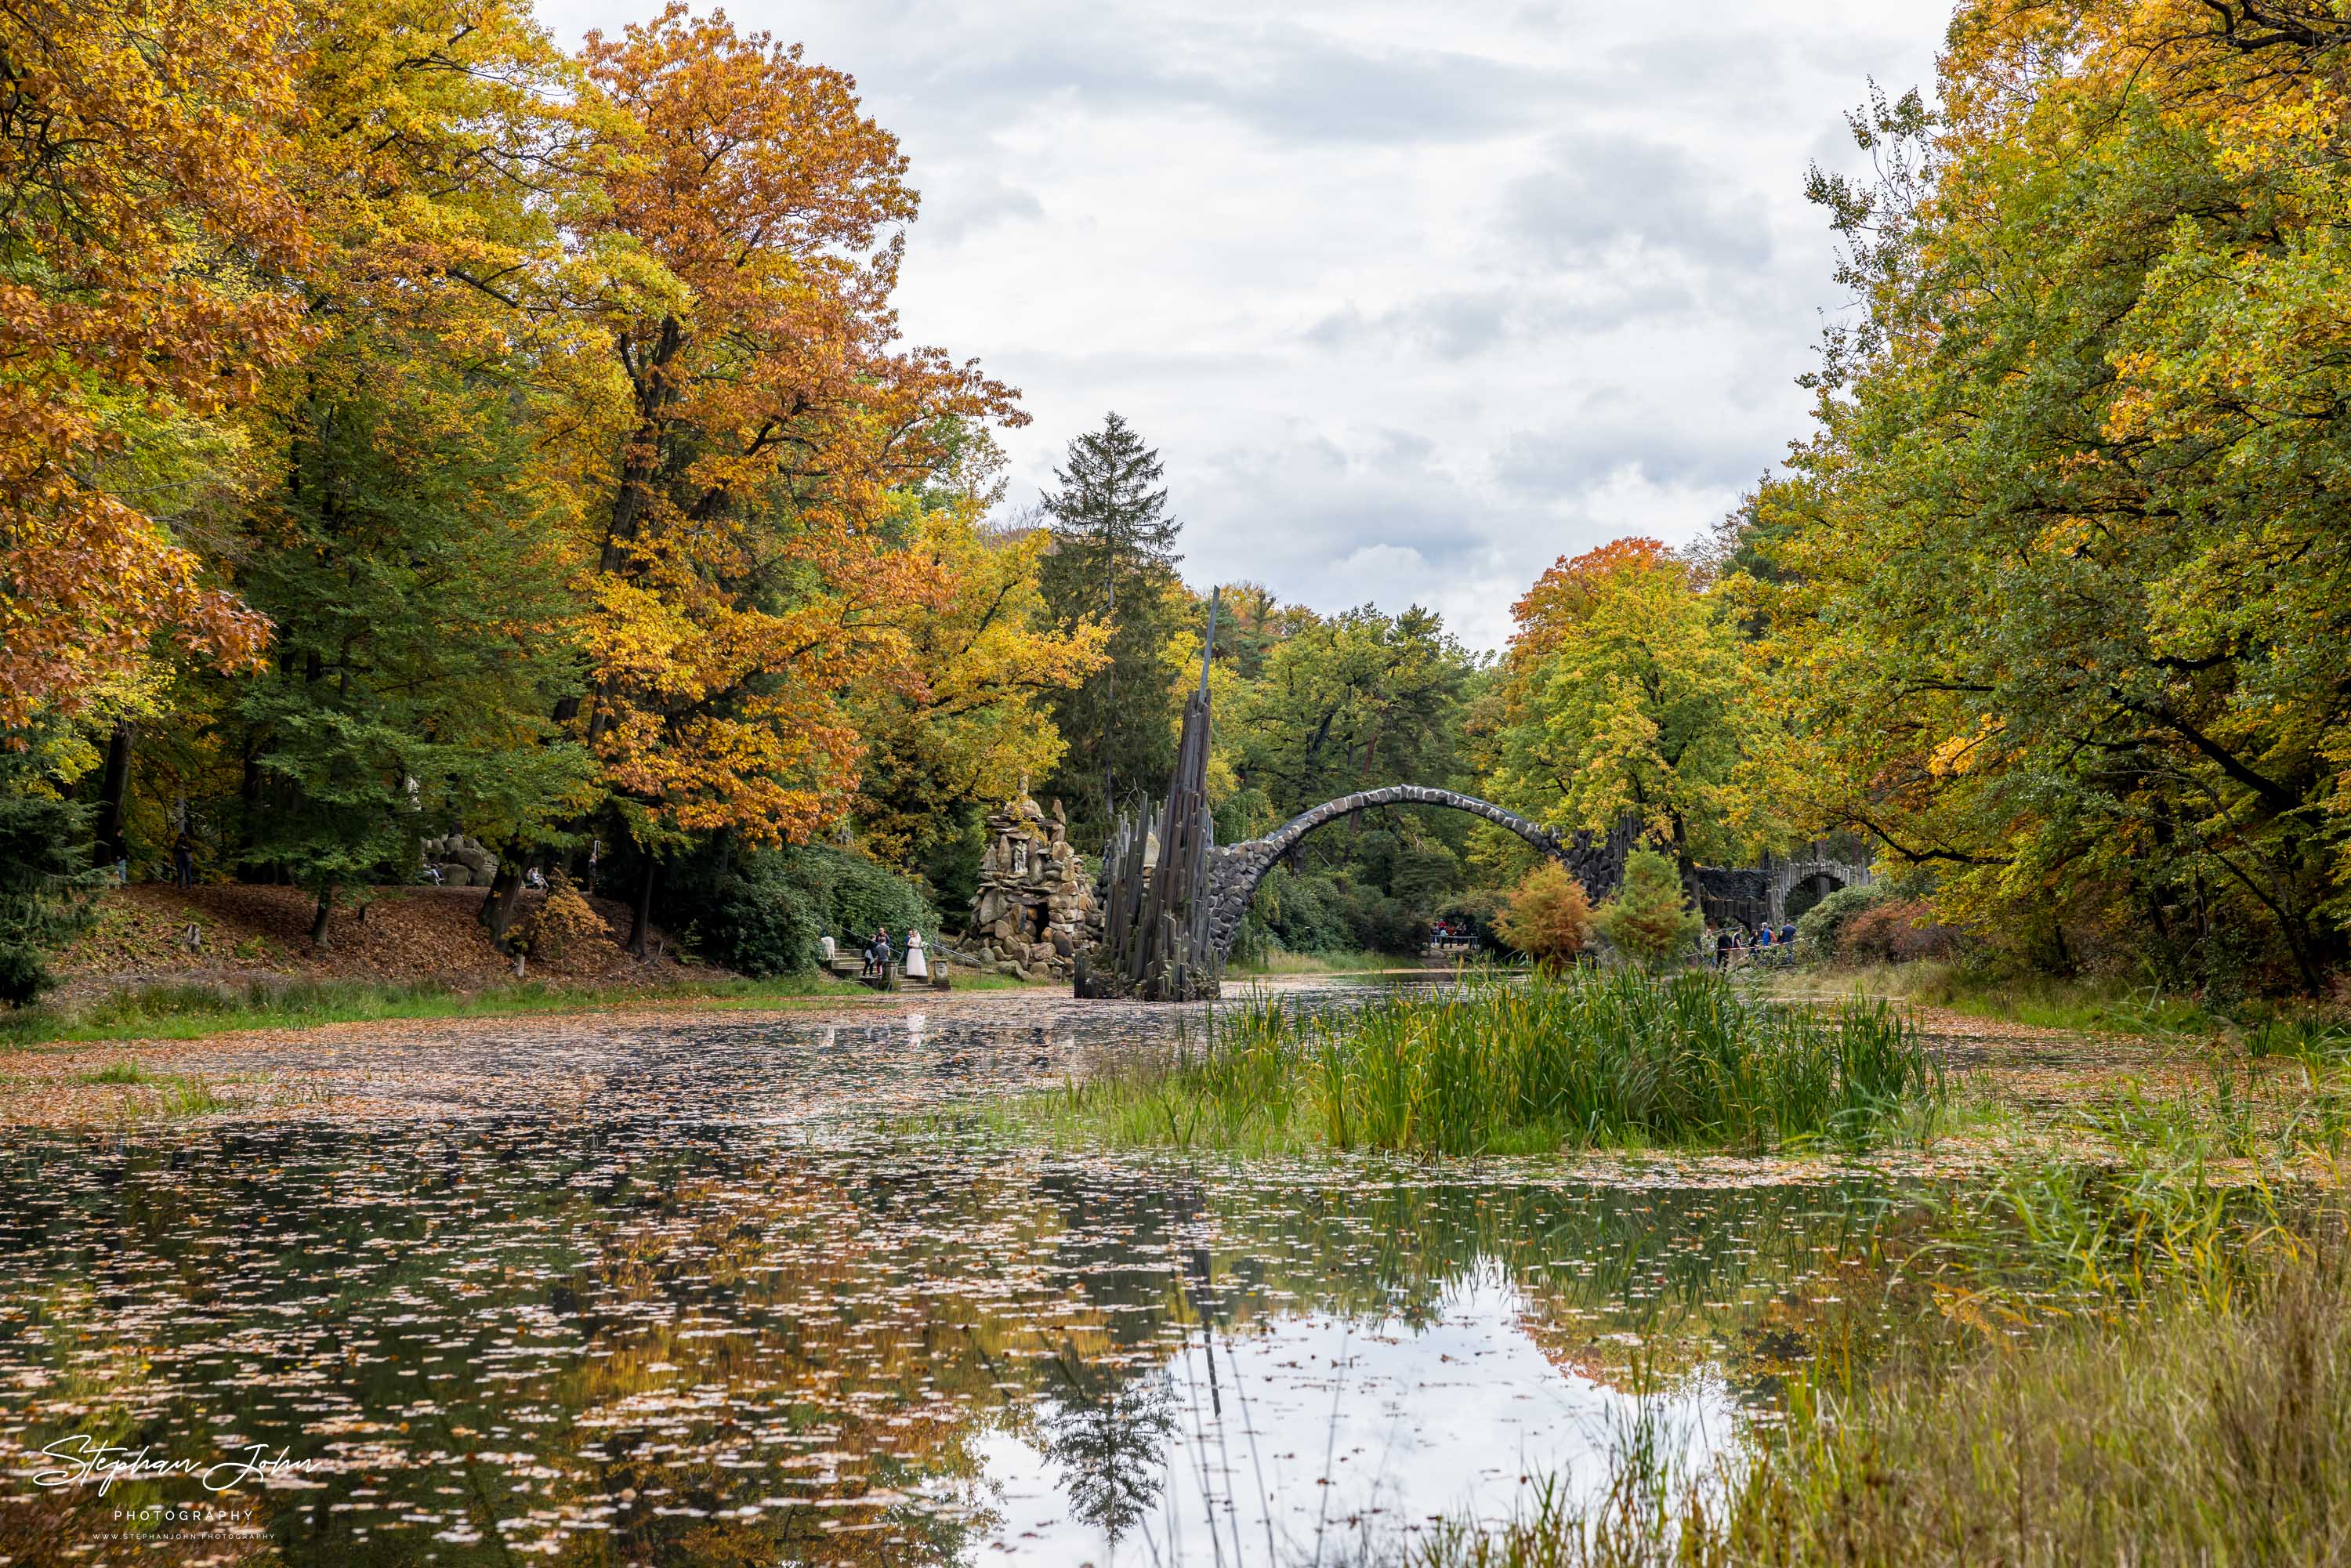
(1620,1060)
(191,1011)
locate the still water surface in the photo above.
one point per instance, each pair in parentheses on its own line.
(696,1293)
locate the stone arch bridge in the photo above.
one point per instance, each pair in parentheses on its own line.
(1235,869)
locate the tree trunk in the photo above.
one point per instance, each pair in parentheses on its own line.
(643,924)
(253,792)
(318,923)
(110,845)
(497,910)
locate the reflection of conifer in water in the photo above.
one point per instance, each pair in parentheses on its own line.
(1108,1432)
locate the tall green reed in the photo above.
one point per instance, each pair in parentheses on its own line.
(1580,1059)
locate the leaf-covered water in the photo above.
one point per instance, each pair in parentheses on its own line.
(703,1293)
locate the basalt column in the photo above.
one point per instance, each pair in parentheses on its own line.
(1155,899)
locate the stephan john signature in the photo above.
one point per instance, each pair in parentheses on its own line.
(85,1462)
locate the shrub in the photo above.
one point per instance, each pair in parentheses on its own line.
(1548,917)
(760,914)
(1317,912)
(1302,912)
(565,924)
(1383,924)
(1888,930)
(760,927)
(853,895)
(1817,927)
(1650,920)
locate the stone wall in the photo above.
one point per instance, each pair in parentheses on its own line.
(1035,905)
(1728,896)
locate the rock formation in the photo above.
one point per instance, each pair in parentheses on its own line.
(463,863)
(1035,905)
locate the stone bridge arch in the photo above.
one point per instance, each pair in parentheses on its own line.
(1824,874)
(1237,869)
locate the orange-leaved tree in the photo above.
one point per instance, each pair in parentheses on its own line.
(143,229)
(752,572)
(1548,917)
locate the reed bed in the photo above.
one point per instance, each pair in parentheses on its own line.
(2184,1435)
(1584,1060)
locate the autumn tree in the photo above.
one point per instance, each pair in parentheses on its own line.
(973,723)
(752,574)
(1623,694)
(145,218)
(2060,575)
(1252,623)
(413,551)
(1113,563)
(1548,916)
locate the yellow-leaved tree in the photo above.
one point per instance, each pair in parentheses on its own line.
(1623,694)
(971,724)
(753,576)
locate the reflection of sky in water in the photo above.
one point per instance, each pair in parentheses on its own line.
(1459,1416)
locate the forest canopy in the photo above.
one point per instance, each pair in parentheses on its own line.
(412,427)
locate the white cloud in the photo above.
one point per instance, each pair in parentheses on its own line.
(1412,297)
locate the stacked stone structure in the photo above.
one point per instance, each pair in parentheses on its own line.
(463,861)
(1035,907)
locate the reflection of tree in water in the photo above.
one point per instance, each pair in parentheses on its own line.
(1108,1431)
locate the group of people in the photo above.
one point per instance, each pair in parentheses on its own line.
(1451,934)
(879,954)
(1727,947)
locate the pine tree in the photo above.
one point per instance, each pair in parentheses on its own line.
(1650,920)
(1114,562)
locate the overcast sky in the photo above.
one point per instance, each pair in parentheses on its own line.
(1412,298)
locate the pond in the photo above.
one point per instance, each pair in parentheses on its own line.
(711,1291)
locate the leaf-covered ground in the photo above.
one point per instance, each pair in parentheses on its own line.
(383,934)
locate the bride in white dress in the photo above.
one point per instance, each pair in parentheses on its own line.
(918,963)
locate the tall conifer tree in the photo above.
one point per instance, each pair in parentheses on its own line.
(1114,562)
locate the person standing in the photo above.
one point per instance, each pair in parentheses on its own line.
(183,859)
(918,963)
